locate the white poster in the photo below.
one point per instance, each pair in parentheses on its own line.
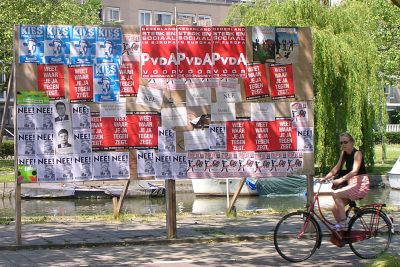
(305,139)
(150,97)
(111,165)
(82,167)
(198,96)
(217,136)
(45,143)
(179,164)
(46,169)
(115,109)
(44,117)
(196,140)
(145,163)
(26,143)
(229,94)
(82,141)
(223,112)
(262,111)
(172,117)
(163,164)
(63,168)
(299,114)
(120,165)
(166,140)
(26,117)
(80,116)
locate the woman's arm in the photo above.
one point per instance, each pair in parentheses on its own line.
(335,169)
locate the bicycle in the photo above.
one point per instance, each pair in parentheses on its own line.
(298,234)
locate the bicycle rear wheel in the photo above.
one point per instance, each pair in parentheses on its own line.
(370,234)
(296,237)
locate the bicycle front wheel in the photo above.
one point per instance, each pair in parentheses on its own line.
(296,237)
(370,233)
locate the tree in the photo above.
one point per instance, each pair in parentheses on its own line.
(38,12)
(348,63)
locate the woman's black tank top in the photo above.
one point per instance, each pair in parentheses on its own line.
(349,159)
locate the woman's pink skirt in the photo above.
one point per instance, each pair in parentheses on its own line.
(357,188)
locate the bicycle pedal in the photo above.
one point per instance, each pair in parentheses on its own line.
(337,242)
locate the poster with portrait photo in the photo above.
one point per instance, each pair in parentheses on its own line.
(163,165)
(57,44)
(27,161)
(179,166)
(82,167)
(26,142)
(217,136)
(46,171)
(45,143)
(82,141)
(145,162)
(26,120)
(80,116)
(166,140)
(305,139)
(120,165)
(64,168)
(102,165)
(31,44)
(44,117)
(108,44)
(62,113)
(63,137)
(83,45)
(106,82)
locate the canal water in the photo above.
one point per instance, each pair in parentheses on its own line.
(186,202)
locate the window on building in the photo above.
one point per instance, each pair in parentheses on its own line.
(390,92)
(144,17)
(185,19)
(204,20)
(163,18)
(112,14)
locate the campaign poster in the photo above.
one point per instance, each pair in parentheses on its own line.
(44,117)
(108,44)
(281,81)
(51,80)
(163,165)
(80,80)
(45,143)
(287,45)
(299,114)
(80,116)
(46,171)
(82,142)
(97,131)
(27,161)
(217,137)
(198,96)
(62,112)
(196,140)
(223,111)
(130,44)
(115,131)
(229,52)
(64,139)
(305,139)
(26,117)
(256,83)
(152,98)
(179,166)
(166,140)
(143,130)
(102,165)
(194,51)
(31,44)
(262,111)
(262,138)
(231,94)
(57,44)
(83,45)
(26,143)
(82,167)
(159,55)
(106,82)
(145,162)
(240,136)
(263,44)
(172,117)
(64,168)
(282,135)
(129,78)
(120,165)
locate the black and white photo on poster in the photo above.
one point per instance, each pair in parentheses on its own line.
(166,140)
(64,140)
(80,116)
(102,165)
(44,143)
(145,162)
(46,168)
(305,139)
(26,117)
(120,165)
(26,143)
(62,113)
(82,141)
(179,165)
(82,167)
(44,117)
(217,136)
(63,166)
(163,164)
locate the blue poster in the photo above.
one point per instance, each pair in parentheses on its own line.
(83,45)
(57,44)
(106,82)
(109,45)
(31,43)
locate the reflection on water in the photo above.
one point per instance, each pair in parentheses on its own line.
(185,203)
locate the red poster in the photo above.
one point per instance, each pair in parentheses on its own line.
(97,132)
(115,131)
(282,135)
(194,52)
(262,137)
(229,52)
(51,80)
(240,136)
(143,130)
(129,78)
(256,83)
(80,83)
(159,57)
(281,80)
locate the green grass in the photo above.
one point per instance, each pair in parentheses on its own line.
(392,153)
(385,260)
(6,165)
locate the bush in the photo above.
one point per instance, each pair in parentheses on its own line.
(6,150)
(390,137)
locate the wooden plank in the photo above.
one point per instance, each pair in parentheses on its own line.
(171,208)
(235,196)
(6,105)
(122,197)
(115,207)
(18,224)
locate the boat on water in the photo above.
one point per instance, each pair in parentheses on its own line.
(394,175)
(218,187)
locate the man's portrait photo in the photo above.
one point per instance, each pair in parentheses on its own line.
(169,144)
(148,167)
(61,111)
(49,172)
(29,121)
(86,170)
(123,168)
(67,171)
(166,169)
(105,169)
(182,170)
(48,147)
(47,122)
(86,147)
(220,140)
(84,120)
(63,139)
(29,148)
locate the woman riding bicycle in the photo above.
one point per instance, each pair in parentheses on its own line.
(351,186)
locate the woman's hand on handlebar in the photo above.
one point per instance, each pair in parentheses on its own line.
(322,180)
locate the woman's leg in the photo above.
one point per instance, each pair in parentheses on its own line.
(341,200)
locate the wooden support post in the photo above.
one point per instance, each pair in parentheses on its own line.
(235,196)
(121,199)
(115,207)
(6,105)
(171,208)
(310,189)
(18,224)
